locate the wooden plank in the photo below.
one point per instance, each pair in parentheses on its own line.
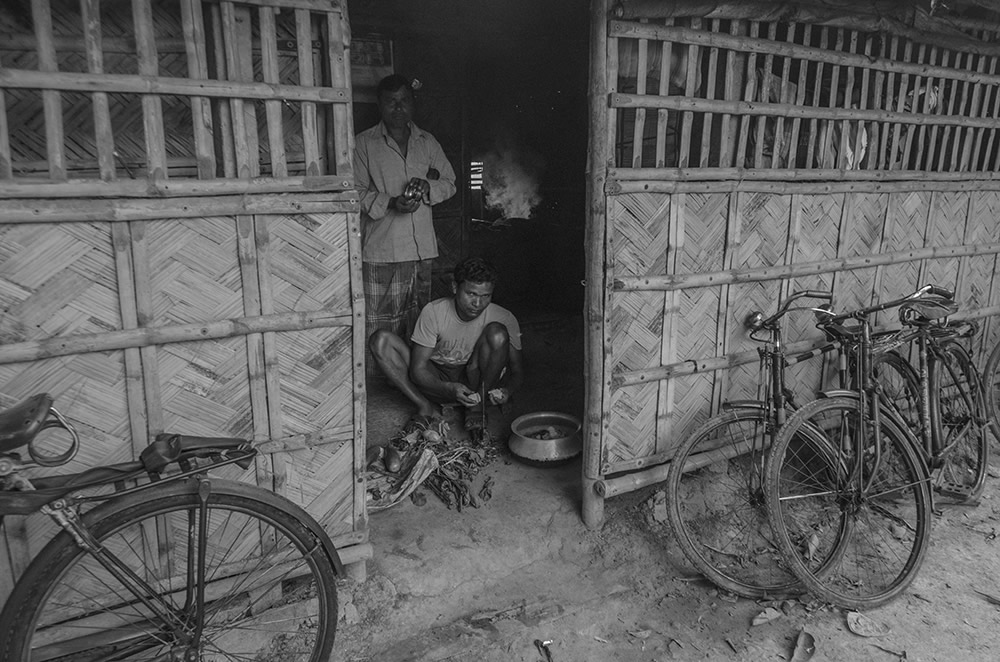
(224,137)
(55,137)
(6,164)
(103,133)
(196,50)
(310,137)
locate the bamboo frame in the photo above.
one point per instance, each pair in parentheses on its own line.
(708,279)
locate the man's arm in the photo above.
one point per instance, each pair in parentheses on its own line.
(443,187)
(428,380)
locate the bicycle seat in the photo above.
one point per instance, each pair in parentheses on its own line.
(19,424)
(926,309)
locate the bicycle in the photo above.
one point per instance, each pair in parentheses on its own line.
(155,560)
(991,381)
(873,502)
(724,532)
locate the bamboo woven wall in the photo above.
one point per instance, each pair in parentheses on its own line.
(756,158)
(180,240)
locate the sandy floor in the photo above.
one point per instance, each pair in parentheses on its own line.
(484,584)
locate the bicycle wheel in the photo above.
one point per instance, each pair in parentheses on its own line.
(270,591)
(959,414)
(991,384)
(900,385)
(716,506)
(874,509)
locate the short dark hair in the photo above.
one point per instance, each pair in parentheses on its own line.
(475,270)
(390,84)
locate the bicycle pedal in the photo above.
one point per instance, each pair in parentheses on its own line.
(954,491)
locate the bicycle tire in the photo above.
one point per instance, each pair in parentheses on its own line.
(960,471)
(882,531)
(991,384)
(716,506)
(900,385)
(280,603)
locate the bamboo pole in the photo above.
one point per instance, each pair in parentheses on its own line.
(670,313)
(156,157)
(765,91)
(340,66)
(709,86)
(946,132)
(652,176)
(662,116)
(690,83)
(120,233)
(310,5)
(749,96)
(691,104)
(55,147)
(338,53)
(824,38)
(149,336)
(734,242)
(898,127)
(734,83)
(639,122)
(910,131)
(6,164)
(979,138)
(835,101)
(310,139)
(779,129)
(789,187)
(140,209)
(164,85)
(876,159)
(754,44)
(927,163)
(716,278)
(603,74)
(196,51)
(888,158)
(133,188)
(224,136)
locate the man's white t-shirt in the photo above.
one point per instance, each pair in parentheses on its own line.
(453,339)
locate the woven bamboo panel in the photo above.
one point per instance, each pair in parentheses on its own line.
(946,227)
(908,213)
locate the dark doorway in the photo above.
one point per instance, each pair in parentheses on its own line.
(503,84)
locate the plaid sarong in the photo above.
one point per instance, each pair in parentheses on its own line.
(395,293)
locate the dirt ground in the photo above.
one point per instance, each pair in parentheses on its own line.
(484,584)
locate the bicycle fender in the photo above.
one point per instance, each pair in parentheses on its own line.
(189,485)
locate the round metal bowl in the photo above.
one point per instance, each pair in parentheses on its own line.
(556,448)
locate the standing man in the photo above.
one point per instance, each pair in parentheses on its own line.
(400,172)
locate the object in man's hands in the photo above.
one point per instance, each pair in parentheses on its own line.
(475,398)
(412,190)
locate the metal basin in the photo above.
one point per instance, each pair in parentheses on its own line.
(545,437)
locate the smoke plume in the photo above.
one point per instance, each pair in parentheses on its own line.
(510,181)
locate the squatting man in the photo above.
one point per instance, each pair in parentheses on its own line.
(464,349)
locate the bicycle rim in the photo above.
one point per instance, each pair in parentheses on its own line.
(991,384)
(871,515)
(717,509)
(960,418)
(900,386)
(270,592)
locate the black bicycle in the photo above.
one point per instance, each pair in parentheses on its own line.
(157,560)
(869,497)
(716,477)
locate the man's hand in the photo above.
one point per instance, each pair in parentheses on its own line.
(401,204)
(499,396)
(465,395)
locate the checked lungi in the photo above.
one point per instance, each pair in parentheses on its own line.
(395,293)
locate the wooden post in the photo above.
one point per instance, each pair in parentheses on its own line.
(596,386)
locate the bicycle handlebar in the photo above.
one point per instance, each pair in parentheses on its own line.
(865,312)
(756,320)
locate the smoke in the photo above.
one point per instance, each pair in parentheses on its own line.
(510,181)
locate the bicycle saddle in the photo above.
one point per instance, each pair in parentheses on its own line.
(925,309)
(19,424)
